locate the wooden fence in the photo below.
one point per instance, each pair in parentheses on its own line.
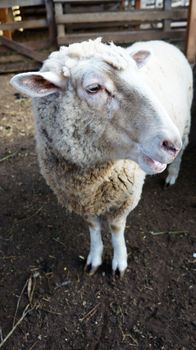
(35,14)
(78,20)
(191,33)
(47,20)
(70,21)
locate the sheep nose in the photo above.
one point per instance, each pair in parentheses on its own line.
(170,147)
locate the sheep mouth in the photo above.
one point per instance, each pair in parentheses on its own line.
(154,165)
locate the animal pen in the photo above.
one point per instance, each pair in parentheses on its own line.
(31,27)
(47,301)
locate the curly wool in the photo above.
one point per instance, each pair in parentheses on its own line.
(68,56)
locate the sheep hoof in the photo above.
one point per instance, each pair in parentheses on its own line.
(91,270)
(170,180)
(122,274)
(118,273)
(119,264)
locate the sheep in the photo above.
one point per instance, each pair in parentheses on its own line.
(105,117)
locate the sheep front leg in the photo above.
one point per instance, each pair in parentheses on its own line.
(94,259)
(119,261)
(174,167)
(173,170)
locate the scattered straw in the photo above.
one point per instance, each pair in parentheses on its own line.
(167,232)
(1,334)
(30,285)
(50,311)
(57,240)
(8,257)
(128,335)
(18,303)
(34,214)
(8,156)
(37,341)
(90,313)
(26,311)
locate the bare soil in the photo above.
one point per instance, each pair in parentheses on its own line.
(47,301)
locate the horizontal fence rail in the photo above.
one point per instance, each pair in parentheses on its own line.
(122,16)
(38,23)
(124,36)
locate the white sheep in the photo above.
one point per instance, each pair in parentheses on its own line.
(106,116)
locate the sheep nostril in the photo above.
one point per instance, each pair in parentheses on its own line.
(169,147)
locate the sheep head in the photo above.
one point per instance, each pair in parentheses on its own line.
(102,109)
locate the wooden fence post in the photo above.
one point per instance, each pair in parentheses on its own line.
(167,22)
(51,22)
(191,33)
(4,17)
(137,4)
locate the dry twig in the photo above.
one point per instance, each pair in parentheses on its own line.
(56,240)
(37,341)
(50,311)
(128,335)
(31,216)
(1,334)
(8,257)
(25,312)
(90,313)
(18,303)
(8,156)
(167,232)
(30,285)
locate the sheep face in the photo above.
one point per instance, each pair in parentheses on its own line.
(91,110)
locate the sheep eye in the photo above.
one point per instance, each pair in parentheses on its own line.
(93,89)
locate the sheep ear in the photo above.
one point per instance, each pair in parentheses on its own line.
(141,57)
(38,84)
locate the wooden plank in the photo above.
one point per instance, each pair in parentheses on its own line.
(50,21)
(39,44)
(191,33)
(124,36)
(19,67)
(36,44)
(81,8)
(23,50)
(4,17)
(83,1)
(11,3)
(112,26)
(13,58)
(37,23)
(137,4)
(32,12)
(137,7)
(167,6)
(59,12)
(122,5)
(122,16)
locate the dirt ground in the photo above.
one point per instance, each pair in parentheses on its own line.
(47,301)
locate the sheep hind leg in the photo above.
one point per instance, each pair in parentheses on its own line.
(174,167)
(94,259)
(119,260)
